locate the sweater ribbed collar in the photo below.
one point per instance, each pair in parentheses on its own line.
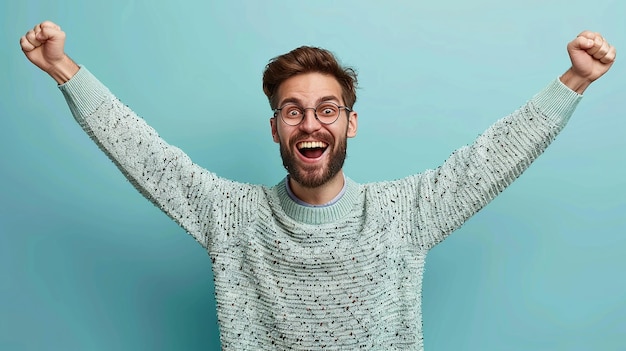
(329,203)
(319,215)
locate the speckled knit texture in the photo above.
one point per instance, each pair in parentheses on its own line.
(343,277)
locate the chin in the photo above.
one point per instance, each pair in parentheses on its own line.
(309,180)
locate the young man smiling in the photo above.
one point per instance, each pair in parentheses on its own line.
(318,262)
(313,149)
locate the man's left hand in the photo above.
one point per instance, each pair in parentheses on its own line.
(591,57)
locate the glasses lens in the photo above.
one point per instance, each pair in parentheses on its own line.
(327,112)
(292,114)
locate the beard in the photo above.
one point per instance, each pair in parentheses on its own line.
(310,176)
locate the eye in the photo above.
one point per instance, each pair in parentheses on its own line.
(327,110)
(292,111)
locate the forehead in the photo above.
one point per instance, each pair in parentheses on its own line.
(308,88)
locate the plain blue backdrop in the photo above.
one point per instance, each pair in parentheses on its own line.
(87,264)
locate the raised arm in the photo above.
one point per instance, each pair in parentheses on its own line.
(474,175)
(200,201)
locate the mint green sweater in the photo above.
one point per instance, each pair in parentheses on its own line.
(343,277)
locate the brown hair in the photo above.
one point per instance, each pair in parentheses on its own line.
(306,59)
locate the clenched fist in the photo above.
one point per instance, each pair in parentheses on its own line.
(591,57)
(44,47)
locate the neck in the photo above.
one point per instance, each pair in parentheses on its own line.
(320,195)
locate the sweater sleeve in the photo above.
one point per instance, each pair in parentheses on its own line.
(195,198)
(474,175)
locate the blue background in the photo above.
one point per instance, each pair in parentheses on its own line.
(87,264)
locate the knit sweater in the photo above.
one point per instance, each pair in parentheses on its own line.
(343,277)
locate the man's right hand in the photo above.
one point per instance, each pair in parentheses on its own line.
(44,47)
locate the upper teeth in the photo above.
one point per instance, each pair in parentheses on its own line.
(311,145)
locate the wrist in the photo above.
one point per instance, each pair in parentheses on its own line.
(64,70)
(575,82)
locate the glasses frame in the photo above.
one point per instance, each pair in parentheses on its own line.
(289,123)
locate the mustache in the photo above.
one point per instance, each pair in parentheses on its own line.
(324,137)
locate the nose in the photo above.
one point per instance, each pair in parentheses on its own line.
(309,123)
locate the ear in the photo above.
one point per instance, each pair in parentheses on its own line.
(352,124)
(274,127)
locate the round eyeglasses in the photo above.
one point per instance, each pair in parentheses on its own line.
(325,113)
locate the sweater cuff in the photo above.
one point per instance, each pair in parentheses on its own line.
(557,102)
(84,92)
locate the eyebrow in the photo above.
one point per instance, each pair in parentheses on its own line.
(297,101)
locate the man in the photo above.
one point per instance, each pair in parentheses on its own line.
(318,261)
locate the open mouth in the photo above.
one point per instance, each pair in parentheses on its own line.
(311,149)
